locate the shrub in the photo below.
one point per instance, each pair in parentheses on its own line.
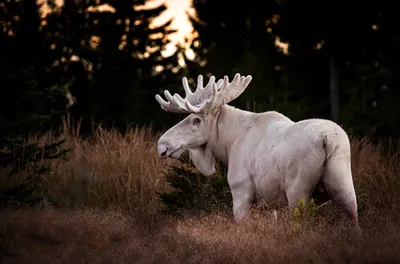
(26,110)
(194,192)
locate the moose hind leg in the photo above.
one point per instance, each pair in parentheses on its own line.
(339,185)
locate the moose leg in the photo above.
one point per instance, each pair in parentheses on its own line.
(300,189)
(339,185)
(242,194)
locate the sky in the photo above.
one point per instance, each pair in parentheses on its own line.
(177,10)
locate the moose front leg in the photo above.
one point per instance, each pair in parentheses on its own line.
(242,194)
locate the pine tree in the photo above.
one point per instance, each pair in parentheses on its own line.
(231,37)
(28,107)
(20,38)
(355,51)
(115,58)
(26,111)
(193,192)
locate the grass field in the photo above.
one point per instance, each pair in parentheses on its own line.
(104,209)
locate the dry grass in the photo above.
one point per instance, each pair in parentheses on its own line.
(109,170)
(105,211)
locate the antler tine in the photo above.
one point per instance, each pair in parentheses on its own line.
(186,87)
(210,83)
(198,101)
(230,91)
(194,102)
(171,105)
(220,83)
(199,82)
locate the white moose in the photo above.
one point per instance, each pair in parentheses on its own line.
(269,156)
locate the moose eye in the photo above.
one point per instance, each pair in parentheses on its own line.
(196,121)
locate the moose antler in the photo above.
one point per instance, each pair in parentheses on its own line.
(204,99)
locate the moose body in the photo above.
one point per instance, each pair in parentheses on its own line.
(269,156)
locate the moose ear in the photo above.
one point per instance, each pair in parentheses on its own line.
(203,159)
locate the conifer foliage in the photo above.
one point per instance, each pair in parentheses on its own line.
(193,192)
(116,58)
(26,110)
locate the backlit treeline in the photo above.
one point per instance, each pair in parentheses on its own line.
(304,63)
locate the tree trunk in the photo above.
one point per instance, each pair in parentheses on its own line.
(334,89)
(248,105)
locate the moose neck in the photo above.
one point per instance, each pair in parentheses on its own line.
(230,124)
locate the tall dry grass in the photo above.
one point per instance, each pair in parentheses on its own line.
(109,170)
(105,210)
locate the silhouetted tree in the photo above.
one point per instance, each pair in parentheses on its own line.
(115,59)
(232,37)
(21,40)
(23,47)
(26,111)
(338,57)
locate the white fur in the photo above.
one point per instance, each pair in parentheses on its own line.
(269,156)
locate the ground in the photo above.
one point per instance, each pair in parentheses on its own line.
(104,209)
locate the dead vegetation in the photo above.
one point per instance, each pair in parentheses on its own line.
(104,209)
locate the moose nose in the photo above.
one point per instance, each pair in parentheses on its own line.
(162,151)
